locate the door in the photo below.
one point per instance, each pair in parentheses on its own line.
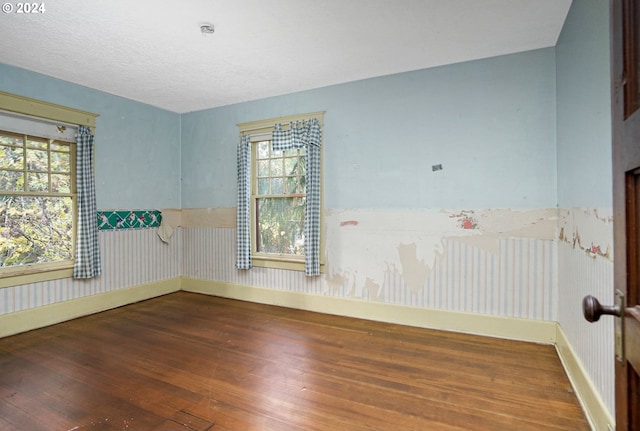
(625,33)
(626,202)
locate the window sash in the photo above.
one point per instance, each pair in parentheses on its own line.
(54,150)
(51,146)
(256,249)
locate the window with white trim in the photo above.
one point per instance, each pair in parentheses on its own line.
(281,225)
(38,201)
(278,201)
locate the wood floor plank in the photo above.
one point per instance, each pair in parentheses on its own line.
(229,365)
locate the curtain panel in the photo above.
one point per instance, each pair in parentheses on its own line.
(87,262)
(243,231)
(300,134)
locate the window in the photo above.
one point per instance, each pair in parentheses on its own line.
(278,201)
(279,208)
(38,201)
(37,195)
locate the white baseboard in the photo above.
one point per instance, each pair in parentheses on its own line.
(494,326)
(38,317)
(592,403)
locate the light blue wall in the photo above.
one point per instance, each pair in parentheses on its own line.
(490,123)
(584,104)
(137,145)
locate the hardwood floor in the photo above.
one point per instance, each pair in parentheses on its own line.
(192,362)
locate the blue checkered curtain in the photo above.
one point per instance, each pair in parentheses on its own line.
(243,232)
(87,264)
(306,134)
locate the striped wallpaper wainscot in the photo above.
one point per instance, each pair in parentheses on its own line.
(585,259)
(582,275)
(129,258)
(209,254)
(518,281)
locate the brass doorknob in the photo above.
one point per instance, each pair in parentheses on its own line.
(592,309)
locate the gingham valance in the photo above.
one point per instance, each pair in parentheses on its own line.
(300,134)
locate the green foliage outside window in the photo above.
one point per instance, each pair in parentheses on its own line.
(280,200)
(35,230)
(36,200)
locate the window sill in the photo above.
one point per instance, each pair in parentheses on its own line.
(280,263)
(35,274)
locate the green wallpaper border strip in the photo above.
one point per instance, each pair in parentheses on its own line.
(128,219)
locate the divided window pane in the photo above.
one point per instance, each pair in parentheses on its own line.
(36,200)
(279,200)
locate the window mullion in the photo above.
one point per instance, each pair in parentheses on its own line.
(49,182)
(25,177)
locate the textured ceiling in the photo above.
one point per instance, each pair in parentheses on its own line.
(153,51)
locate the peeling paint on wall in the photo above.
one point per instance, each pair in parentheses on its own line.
(418,258)
(495,224)
(588,230)
(334,280)
(349,223)
(373,289)
(412,242)
(466,219)
(414,272)
(370,249)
